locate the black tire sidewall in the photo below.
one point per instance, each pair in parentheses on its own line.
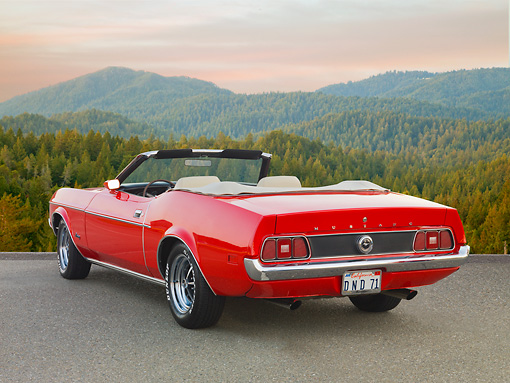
(178,250)
(77,266)
(206,308)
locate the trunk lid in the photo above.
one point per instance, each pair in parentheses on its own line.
(340,212)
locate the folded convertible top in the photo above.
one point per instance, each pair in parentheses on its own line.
(234,188)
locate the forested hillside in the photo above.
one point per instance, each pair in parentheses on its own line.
(234,115)
(429,138)
(485,90)
(111,89)
(195,108)
(83,122)
(32,167)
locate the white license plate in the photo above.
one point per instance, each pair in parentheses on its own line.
(361,282)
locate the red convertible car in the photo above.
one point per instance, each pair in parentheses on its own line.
(208,224)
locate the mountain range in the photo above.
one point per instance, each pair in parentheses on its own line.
(481,89)
(128,102)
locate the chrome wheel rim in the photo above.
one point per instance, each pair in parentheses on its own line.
(63,248)
(182,284)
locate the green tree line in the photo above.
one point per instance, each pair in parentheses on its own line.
(33,166)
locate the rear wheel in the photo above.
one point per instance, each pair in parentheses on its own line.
(191,301)
(374,303)
(71,264)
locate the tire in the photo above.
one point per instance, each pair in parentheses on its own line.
(191,301)
(375,303)
(71,264)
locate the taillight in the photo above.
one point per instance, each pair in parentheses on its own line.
(445,239)
(269,250)
(284,249)
(427,240)
(419,241)
(299,247)
(432,241)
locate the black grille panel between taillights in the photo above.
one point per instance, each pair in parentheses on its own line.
(340,245)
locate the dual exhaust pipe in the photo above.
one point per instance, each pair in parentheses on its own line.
(401,293)
(294,304)
(288,303)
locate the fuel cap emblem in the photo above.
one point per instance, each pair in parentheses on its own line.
(365,244)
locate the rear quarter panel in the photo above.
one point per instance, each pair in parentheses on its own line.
(220,235)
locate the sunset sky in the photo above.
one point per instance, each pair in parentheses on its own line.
(247,46)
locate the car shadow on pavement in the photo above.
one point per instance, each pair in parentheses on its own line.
(253,317)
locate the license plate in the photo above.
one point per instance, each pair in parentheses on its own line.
(361,282)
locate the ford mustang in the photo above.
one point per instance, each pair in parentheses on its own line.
(208,224)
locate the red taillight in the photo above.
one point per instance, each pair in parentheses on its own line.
(445,240)
(419,241)
(284,249)
(269,250)
(427,240)
(300,250)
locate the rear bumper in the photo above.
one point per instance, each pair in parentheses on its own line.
(257,271)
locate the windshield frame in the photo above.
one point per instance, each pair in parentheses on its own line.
(198,153)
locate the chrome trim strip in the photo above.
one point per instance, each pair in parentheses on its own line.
(144,215)
(259,272)
(205,151)
(150,154)
(105,216)
(118,219)
(65,205)
(126,271)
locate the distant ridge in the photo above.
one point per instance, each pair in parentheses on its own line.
(114,89)
(181,105)
(486,90)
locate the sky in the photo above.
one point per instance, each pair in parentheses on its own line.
(247,46)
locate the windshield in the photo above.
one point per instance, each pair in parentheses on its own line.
(226,169)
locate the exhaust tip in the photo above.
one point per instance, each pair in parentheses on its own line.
(288,303)
(406,294)
(412,294)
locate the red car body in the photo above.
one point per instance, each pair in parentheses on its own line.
(312,236)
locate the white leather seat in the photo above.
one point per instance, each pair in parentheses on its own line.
(280,181)
(195,182)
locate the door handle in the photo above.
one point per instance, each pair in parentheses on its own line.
(138,213)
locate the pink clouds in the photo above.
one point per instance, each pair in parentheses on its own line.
(273,45)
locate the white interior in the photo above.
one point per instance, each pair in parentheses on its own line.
(211,185)
(280,181)
(195,182)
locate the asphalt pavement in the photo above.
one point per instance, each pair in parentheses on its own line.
(114,328)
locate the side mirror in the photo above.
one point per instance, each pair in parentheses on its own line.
(112,184)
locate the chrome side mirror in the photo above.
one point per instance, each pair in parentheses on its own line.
(112,184)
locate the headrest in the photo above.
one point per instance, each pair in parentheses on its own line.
(280,181)
(195,182)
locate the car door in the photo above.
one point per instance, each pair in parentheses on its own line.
(114,226)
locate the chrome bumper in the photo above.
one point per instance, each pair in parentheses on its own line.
(260,272)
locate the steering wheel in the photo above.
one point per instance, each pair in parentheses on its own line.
(170,183)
